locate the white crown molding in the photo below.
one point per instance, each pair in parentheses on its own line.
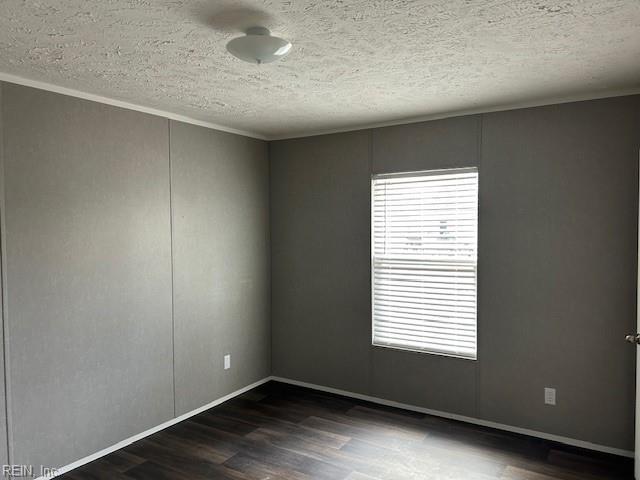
(9,78)
(462,113)
(453,416)
(5,77)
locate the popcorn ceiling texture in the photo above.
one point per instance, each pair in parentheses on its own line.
(354,62)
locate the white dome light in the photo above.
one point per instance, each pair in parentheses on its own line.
(259,46)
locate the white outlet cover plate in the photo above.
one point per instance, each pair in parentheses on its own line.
(550,396)
(227,362)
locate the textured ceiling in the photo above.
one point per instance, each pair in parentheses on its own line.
(354,62)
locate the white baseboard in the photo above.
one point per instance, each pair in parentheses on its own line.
(151,431)
(475,421)
(380,401)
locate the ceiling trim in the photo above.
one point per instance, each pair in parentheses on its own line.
(471,111)
(5,77)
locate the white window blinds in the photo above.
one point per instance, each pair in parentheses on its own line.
(424,258)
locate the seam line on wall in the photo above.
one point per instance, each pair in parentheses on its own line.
(173,321)
(3,291)
(269,163)
(479,318)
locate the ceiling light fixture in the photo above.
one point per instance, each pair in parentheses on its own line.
(259,46)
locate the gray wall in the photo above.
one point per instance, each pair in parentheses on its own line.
(557,265)
(88,274)
(136,254)
(88,238)
(320,268)
(4,453)
(220,199)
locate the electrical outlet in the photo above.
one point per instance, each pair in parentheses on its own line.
(550,396)
(227,361)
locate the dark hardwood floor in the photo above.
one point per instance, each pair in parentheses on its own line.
(279,431)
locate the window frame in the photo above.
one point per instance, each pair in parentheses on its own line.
(413,173)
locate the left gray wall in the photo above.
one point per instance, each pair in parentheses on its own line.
(4,454)
(88,270)
(90,278)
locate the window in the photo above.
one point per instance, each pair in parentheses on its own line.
(424,260)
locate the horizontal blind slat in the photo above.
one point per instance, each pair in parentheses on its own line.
(424,250)
(408,326)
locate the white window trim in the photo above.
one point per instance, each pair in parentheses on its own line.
(372,260)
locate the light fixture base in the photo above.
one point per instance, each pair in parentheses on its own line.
(259,46)
(258,31)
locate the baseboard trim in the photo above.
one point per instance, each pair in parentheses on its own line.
(151,431)
(452,416)
(359,396)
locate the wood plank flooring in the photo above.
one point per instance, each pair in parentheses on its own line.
(282,432)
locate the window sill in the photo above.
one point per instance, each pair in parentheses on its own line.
(424,352)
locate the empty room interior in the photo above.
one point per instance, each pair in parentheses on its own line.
(307,239)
